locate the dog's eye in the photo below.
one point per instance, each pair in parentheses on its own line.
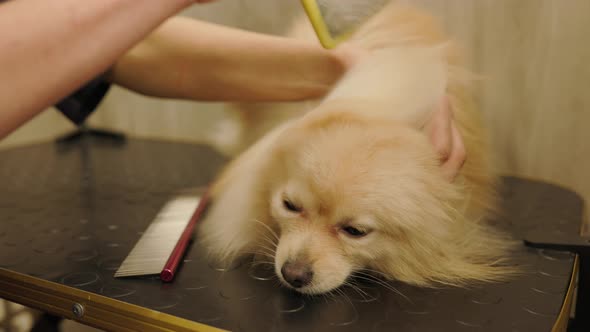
(354,232)
(291,206)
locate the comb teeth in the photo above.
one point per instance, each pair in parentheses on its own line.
(151,252)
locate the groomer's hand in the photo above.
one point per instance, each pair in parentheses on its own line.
(447,140)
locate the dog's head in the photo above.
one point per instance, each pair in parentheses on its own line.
(350,194)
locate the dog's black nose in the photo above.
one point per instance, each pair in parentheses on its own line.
(296,274)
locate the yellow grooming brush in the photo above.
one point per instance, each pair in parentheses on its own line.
(335,20)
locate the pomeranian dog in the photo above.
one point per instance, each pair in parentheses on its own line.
(351,184)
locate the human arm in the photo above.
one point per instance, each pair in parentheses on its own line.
(50,48)
(190,59)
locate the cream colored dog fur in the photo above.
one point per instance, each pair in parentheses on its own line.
(351,185)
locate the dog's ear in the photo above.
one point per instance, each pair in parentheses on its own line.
(446,139)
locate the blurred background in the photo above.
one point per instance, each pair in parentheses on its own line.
(534,54)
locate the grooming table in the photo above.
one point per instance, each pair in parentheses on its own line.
(71,212)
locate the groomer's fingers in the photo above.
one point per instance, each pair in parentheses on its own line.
(439,130)
(457,156)
(349,55)
(446,140)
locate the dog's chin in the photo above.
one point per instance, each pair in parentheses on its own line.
(323,283)
(313,288)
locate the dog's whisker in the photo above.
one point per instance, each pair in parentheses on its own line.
(344,296)
(256,252)
(264,233)
(265,257)
(270,230)
(371,278)
(261,263)
(365,270)
(268,240)
(338,294)
(357,289)
(262,259)
(330,297)
(267,243)
(264,248)
(260,253)
(265,253)
(272,250)
(265,236)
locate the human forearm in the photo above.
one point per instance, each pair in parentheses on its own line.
(50,48)
(185,58)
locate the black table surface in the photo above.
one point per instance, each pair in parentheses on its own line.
(70,213)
